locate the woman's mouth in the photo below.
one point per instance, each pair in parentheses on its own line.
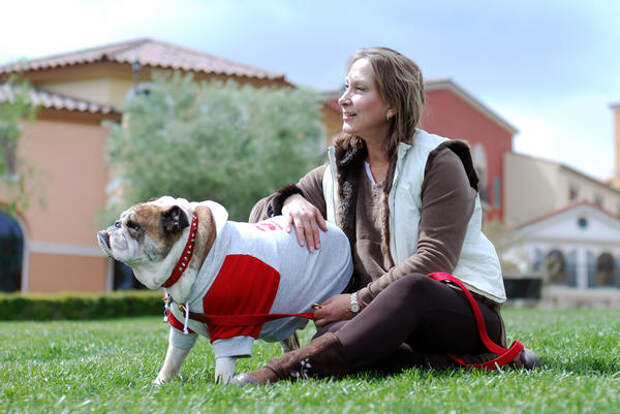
(347,115)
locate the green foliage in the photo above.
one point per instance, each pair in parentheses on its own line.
(220,141)
(15,107)
(75,306)
(108,366)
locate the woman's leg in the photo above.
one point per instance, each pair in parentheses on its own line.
(431,317)
(408,312)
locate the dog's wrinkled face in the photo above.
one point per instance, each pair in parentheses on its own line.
(145,234)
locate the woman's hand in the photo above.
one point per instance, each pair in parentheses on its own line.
(336,308)
(306,219)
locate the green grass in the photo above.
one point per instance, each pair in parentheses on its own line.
(108,366)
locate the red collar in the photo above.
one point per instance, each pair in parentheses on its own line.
(186,256)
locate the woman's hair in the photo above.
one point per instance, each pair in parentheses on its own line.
(400,85)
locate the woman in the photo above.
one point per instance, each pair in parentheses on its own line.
(408,202)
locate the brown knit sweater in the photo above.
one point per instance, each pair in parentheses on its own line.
(448,196)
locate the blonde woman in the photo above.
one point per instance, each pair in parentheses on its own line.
(408,202)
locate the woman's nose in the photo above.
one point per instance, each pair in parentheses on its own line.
(344,99)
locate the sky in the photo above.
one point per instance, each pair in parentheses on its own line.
(550,68)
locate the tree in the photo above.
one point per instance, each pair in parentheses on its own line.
(15,106)
(220,141)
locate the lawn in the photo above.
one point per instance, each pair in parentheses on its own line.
(108,366)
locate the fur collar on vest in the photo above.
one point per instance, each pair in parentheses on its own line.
(350,156)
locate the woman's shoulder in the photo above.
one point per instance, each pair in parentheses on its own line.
(453,155)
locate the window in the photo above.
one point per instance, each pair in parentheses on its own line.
(605,269)
(554,267)
(480,165)
(11,254)
(497,191)
(582,222)
(573,193)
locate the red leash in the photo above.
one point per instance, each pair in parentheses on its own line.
(505,355)
(245,320)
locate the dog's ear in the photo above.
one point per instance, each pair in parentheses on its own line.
(174,220)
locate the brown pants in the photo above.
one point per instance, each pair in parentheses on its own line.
(412,320)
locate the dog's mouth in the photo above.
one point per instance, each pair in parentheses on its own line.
(104,241)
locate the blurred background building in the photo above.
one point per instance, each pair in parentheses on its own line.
(555,221)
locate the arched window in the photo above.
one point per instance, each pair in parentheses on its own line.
(605,268)
(11,254)
(555,267)
(124,278)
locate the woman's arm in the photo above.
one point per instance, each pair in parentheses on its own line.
(303,204)
(448,200)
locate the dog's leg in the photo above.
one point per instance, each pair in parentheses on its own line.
(224,369)
(172,364)
(290,344)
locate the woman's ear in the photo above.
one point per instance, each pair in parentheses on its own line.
(390,114)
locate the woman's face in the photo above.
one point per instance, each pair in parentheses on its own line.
(364,113)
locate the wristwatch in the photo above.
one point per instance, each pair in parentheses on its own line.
(354,307)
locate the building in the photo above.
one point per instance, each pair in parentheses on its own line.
(56,245)
(564,225)
(537,186)
(576,246)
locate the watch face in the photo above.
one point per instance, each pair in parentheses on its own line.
(355,308)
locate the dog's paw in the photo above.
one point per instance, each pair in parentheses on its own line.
(224,369)
(222,378)
(162,379)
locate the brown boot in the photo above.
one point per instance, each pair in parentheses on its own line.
(527,359)
(322,357)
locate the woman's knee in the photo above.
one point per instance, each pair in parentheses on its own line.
(412,288)
(414,283)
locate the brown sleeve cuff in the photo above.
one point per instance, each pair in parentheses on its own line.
(364,296)
(275,208)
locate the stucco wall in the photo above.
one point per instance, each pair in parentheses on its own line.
(588,190)
(71,175)
(69,178)
(448,115)
(533,185)
(66,273)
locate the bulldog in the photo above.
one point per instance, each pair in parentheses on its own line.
(223,276)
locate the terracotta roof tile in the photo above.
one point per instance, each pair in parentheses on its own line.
(148,52)
(52,100)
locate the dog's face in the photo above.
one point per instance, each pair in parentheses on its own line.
(145,235)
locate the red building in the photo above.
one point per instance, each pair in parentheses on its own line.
(452,112)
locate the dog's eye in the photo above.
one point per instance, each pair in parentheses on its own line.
(132,225)
(117,224)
